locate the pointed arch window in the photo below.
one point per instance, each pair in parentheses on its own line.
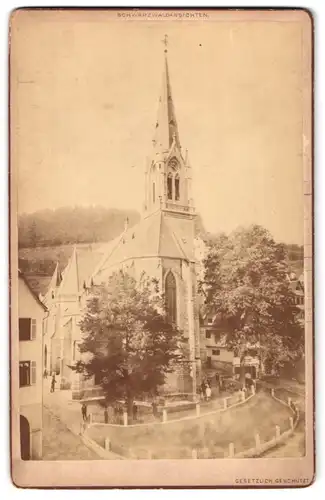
(177,187)
(170,186)
(171,299)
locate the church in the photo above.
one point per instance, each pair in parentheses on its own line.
(162,245)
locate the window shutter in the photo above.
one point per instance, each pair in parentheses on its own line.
(33,372)
(33,329)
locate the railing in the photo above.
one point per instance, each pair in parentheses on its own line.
(255,445)
(178,208)
(119,439)
(280,435)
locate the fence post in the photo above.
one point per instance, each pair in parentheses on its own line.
(198,409)
(277,432)
(125,418)
(257,441)
(107,444)
(225,403)
(272,393)
(231,450)
(194,454)
(253,389)
(90,419)
(291,422)
(164,414)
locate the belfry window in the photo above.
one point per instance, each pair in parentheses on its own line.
(170,294)
(154,192)
(177,188)
(170,187)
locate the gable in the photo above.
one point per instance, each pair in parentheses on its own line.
(28,303)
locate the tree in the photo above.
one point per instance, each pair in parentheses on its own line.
(129,345)
(33,234)
(245,282)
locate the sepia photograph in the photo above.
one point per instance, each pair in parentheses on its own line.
(161,247)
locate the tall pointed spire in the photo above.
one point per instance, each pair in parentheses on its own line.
(166,127)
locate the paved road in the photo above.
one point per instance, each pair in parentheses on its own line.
(61,444)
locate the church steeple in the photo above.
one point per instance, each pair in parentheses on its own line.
(166,126)
(168,174)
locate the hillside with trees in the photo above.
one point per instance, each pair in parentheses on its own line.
(71,225)
(48,236)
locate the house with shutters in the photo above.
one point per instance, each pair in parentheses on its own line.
(161,245)
(32,315)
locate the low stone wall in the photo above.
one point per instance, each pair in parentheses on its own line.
(279,437)
(112,447)
(105,453)
(225,404)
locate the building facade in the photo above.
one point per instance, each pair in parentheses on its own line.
(32,314)
(162,245)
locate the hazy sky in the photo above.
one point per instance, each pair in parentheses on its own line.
(86,92)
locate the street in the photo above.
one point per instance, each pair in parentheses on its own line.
(61,444)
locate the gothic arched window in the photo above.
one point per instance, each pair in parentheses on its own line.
(177,187)
(170,187)
(171,300)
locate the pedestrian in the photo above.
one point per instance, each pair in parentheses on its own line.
(84,412)
(106,416)
(45,373)
(154,409)
(208,392)
(53,382)
(134,411)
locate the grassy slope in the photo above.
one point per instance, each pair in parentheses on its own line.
(175,440)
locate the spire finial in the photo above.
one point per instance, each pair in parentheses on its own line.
(165,42)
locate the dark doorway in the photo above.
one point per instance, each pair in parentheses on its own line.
(24,438)
(251,370)
(57,366)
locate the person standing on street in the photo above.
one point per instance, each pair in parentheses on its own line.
(208,392)
(84,412)
(203,389)
(53,382)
